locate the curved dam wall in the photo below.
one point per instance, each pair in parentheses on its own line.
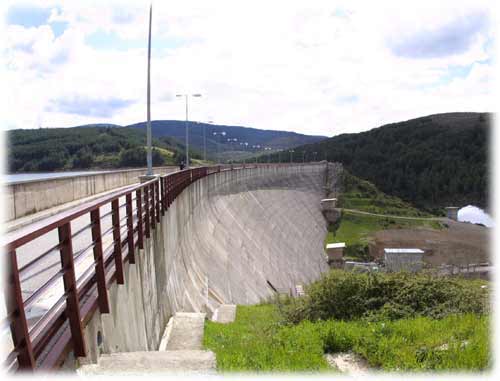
(225,239)
(235,231)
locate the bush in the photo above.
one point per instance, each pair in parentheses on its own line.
(375,296)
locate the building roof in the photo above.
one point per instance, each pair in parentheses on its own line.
(403,251)
(336,245)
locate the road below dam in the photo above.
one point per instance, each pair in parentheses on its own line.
(229,238)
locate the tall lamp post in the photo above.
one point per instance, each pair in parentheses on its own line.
(149,155)
(231,141)
(205,140)
(186,96)
(222,134)
(244,145)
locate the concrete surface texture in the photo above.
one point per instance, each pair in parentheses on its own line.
(180,352)
(142,363)
(30,197)
(231,233)
(225,313)
(186,331)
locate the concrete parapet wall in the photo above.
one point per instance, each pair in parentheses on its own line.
(221,241)
(25,198)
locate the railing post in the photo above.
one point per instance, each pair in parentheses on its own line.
(163,194)
(72,302)
(157,193)
(102,292)
(117,252)
(147,231)
(152,205)
(138,202)
(15,309)
(130,228)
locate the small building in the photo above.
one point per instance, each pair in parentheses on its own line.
(328,203)
(403,259)
(452,212)
(335,254)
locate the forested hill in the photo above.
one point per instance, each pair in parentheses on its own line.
(101,146)
(432,162)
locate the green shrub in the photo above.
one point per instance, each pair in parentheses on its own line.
(376,296)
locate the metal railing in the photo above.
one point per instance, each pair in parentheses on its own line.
(87,266)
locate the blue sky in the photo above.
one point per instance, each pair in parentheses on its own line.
(324,67)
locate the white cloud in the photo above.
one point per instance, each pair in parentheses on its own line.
(272,65)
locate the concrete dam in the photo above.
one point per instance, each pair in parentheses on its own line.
(230,236)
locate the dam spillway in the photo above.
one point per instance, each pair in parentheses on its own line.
(230,236)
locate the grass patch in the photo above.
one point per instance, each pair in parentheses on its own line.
(254,342)
(356,229)
(258,342)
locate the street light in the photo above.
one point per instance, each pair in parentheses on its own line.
(219,133)
(205,139)
(268,156)
(245,145)
(231,140)
(279,155)
(291,153)
(187,121)
(256,147)
(149,153)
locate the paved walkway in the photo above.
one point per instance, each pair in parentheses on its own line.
(392,216)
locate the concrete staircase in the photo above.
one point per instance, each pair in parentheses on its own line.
(180,352)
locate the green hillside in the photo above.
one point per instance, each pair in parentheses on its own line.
(52,149)
(432,162)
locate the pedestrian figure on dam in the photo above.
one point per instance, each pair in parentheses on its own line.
(181,165)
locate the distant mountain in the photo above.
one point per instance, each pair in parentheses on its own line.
(433,161)
(253,136)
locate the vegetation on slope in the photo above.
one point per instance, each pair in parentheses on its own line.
(355,229)
(362,195)
(397,323)
(51,149)
(348,295)
(431,162)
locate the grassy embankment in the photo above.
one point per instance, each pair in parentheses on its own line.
(355,229)
(427,324)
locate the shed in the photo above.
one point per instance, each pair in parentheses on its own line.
(335,251)
(403,259)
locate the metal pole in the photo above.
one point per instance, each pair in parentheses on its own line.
(187,134)
(204,143)
(149,156)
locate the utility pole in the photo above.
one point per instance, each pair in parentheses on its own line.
(149,156)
